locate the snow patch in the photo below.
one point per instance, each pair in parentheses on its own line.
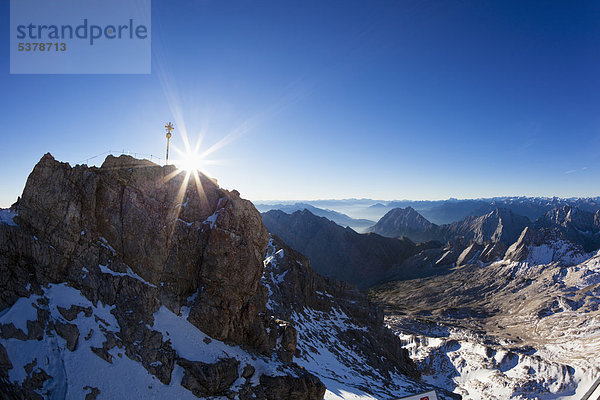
(194,345)
(22,311)
(105,270)
(6,217)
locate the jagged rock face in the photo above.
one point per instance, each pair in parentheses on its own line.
(289,387)
(406,222)
(570,216)
(368,259)
(209,379)
(577,225)
(543,246)
(302,287)
(183,238)
(469,254)
(492,252)
(337,325)
(360,259)
(129,265)
(499,225)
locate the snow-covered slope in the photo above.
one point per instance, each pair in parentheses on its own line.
(526,329)
(340,337)
(59,345)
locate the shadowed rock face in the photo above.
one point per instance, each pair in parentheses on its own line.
(576,225)
(298,288)
(360,259)
(499,225)
(177,236)
(406,222)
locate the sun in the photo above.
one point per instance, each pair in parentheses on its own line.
(190,161)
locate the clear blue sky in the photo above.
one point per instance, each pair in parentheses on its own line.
(337,99)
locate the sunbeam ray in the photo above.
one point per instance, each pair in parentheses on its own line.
(176,210)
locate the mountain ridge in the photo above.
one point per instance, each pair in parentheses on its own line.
(498,225)
(339,218)
(123,280)
(361,259)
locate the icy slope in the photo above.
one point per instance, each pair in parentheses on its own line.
(525,329)
(340,337)
(86,361)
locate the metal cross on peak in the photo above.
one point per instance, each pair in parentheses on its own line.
(169,127)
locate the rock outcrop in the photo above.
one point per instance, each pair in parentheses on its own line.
(173,234)
(107,255)
(544,246)
(499,225)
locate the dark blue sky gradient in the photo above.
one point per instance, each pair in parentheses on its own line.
(336,99)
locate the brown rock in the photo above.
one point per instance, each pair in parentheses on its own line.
(69,332)
(35,329)
(102,353)
(178,238)
(305,387)
(9,331)
(5,363)
(209,379)
(159,242)
(71,313)
(248,371)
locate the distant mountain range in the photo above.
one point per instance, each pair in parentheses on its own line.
(498,225)
(359,225)
(441,211)
(390,250)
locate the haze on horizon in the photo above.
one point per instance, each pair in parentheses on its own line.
(324,100)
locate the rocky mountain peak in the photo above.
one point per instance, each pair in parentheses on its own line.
(567,215)
(159,272)
(544,246)
(405,222)
(577,225)
(172,231)
(144,259)
(409,216)
(499,224)
(360,259)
